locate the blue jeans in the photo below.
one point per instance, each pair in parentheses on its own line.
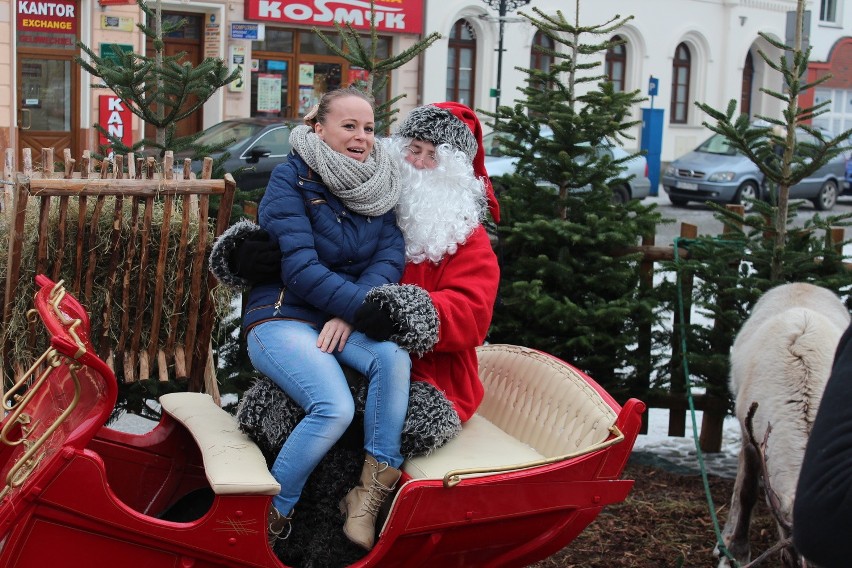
(286,352)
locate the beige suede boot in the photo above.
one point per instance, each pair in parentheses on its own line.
(361,505)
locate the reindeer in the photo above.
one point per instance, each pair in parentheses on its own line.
(780,362)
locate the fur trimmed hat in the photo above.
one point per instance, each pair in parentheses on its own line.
(458,126)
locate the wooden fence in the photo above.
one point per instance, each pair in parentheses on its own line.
(131,239)
(714,408)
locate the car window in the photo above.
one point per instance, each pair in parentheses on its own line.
(224,131)
(494,147)
(277,141)
(717,144)
(494,144)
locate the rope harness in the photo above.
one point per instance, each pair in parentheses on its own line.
(688,383)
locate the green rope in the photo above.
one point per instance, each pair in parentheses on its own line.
(682,319)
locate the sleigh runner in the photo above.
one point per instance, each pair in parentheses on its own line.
(536,464)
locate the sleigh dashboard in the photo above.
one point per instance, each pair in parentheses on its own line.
(529,472)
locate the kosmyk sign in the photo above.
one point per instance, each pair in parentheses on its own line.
(402,16)
(114,117)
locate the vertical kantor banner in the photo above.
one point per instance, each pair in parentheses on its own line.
(115,117)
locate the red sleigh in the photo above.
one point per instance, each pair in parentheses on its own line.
(529,472)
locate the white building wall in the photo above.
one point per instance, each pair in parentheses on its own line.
(719,33)
(824,35)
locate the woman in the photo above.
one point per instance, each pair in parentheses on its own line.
(330,208)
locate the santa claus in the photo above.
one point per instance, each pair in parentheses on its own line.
(440,312)
(451,274)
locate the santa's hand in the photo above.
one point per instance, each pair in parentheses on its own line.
(245,255)
(374,320)
(412,313)
(257,258)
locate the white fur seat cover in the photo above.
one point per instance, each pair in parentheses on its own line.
(535,407)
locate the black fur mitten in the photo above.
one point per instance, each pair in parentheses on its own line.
(245,255)
(415,319)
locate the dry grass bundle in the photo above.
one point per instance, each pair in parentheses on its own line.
(107,274)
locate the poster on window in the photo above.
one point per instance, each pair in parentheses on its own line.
(358,77)
(306,74)
(269,92)
(307,99)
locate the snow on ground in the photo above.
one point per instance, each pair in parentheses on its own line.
(680,452)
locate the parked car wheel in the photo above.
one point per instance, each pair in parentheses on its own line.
(748,190)
(620,195)
(827,196)
(678,202)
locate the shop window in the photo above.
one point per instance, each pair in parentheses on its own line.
(680,84)
(270,88)
(616,63)
(382,46)
(293,68)
(315,79)
(461,57)
(311,43)
(276,40)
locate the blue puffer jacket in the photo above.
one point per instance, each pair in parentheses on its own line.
(331,256)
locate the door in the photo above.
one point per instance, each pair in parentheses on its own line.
(186,39)
(194,122)
(46,97)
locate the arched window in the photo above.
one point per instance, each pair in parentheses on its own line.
(748,82)
(461,59)
(680,84)
(539,60)
(616,63)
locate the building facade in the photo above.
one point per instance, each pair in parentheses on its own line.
(696,50)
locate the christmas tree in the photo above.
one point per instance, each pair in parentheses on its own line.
(568,287)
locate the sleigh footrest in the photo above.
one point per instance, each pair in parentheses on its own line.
(232,462)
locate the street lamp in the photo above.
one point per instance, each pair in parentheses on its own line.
(503,7)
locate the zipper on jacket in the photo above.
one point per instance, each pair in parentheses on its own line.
(279,302)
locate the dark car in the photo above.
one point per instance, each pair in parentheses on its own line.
(259,144)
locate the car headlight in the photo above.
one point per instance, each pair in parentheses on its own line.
(721,176)
(670,171)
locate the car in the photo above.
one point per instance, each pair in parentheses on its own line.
(259,144)
(716,171)
(637,187)
(847,187)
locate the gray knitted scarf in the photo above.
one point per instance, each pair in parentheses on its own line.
(370,188)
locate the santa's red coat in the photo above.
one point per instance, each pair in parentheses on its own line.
(463,287)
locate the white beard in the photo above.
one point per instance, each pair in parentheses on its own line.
(438,208)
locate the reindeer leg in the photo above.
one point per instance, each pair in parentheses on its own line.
(743,499)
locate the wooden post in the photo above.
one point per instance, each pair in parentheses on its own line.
(644,341)
(677,417)
(713,419)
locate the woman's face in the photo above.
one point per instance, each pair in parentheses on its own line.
(349,127)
